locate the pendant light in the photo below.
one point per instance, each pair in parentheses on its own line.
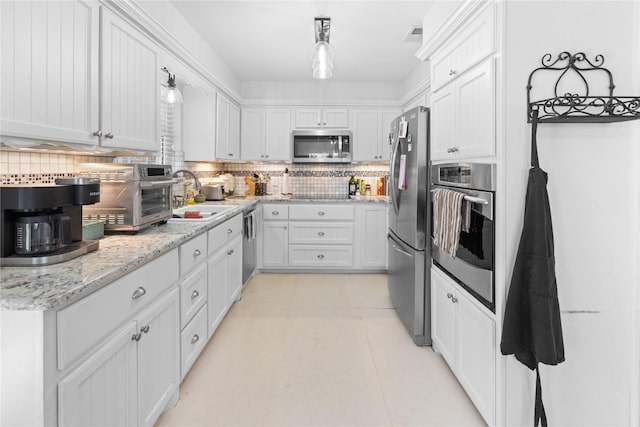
(322,63)
(170,93)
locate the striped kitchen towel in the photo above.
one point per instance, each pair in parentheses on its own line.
(447,219)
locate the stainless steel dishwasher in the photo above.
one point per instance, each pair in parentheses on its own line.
(249,231)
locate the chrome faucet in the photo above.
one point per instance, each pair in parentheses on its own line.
(196,182)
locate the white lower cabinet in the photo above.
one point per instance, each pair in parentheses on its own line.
(371,236)
(192,340)
(464,333)
(130,379)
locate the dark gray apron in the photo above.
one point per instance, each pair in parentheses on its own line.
(531,330)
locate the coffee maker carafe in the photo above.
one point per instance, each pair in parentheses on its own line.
(43,225)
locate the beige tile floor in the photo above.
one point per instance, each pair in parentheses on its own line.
(318,350)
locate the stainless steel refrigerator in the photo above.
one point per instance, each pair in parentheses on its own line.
(409,223)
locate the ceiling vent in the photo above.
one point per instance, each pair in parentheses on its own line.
(413,35)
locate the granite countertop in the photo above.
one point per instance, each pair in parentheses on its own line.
(54,286)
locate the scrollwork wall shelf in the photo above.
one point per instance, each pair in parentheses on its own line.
(572,101)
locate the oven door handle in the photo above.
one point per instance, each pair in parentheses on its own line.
(158,184)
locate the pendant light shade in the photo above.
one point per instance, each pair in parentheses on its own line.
(322,54)
(169,93)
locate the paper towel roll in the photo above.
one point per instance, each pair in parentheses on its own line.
(285,182)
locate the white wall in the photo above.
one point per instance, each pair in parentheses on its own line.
(594,190)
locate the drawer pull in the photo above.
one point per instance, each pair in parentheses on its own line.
(275,213)
(321,213)
(320,256)
(138,293)
(449,295)
(454,300)
(145,329)
(320,233)
(230,252)
(136,337)
(195,294)
(452,72)
(197,253)
(195,339)
(229,231)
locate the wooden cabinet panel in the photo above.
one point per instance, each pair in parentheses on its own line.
(192,340)
(321,118)
(192,252)
(321,212)
(443,318)
(275,244)
(217,292)
(371,134)
(321,233)
(371,236)
(198,125)
(320,256)
(227,129)
(266,134)
(193,294)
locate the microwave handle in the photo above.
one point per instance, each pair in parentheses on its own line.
(158,184)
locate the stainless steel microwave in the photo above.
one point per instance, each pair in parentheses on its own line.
(321,146)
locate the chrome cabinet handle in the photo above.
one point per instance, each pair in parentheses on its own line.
(449,295)
(454,300)
(452,72)
(109,135)
(320,256)
(197,253)
(136,337)
(195,294)
(321,213)
(230,154)
(138,293)
(230,252)
(98,133)
(195,339)
(229,231)
(145,329)
(275,213)
(320,233)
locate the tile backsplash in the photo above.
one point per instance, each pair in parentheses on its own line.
(31,168)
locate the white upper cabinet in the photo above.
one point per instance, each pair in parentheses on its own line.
(198,125)
(130,86)
(313,118)
(371,134)
(266,134)
(227,129)
(49,70)
(80,75)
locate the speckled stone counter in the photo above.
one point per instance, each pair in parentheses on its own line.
(55,286)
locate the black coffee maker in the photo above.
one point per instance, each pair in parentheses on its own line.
(43,225)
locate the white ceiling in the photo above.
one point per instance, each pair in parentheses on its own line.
(272,40)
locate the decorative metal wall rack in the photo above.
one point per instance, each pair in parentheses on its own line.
(572,101)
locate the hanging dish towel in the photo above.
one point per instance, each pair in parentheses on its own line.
(447,219)
(532,330)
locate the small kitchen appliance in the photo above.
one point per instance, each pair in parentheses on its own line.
(321,146)
(212,191)
(43,225)
(134,195)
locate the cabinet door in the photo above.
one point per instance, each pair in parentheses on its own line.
(335,118)
(443,317)
(278,134)
(103,389)
(475,115)
(386,117)
(366,136)
(475,355)
(443,122)
(198,125)
(158,357)
(275,244)
(234,132)
(50,85)
(217,293)
(234,270)
(252,134)
(223,111)
(308,118)
(372,236)
(130,86)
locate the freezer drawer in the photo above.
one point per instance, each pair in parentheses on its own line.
(409,289)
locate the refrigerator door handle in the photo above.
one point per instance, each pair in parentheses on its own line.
(393,190)
(397,248)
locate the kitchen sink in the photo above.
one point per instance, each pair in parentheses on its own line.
(206,213)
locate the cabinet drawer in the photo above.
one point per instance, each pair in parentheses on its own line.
(223,233)
(320,256)
(322,233)
(192,340)
(273,211)
(323,212)
(474,43)
(83,325)
(193,294)
(192,252)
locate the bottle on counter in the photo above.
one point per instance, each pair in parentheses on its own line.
(361,188)
(367,190)
(353,188)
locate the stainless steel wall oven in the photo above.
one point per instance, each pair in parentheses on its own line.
(473,266)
